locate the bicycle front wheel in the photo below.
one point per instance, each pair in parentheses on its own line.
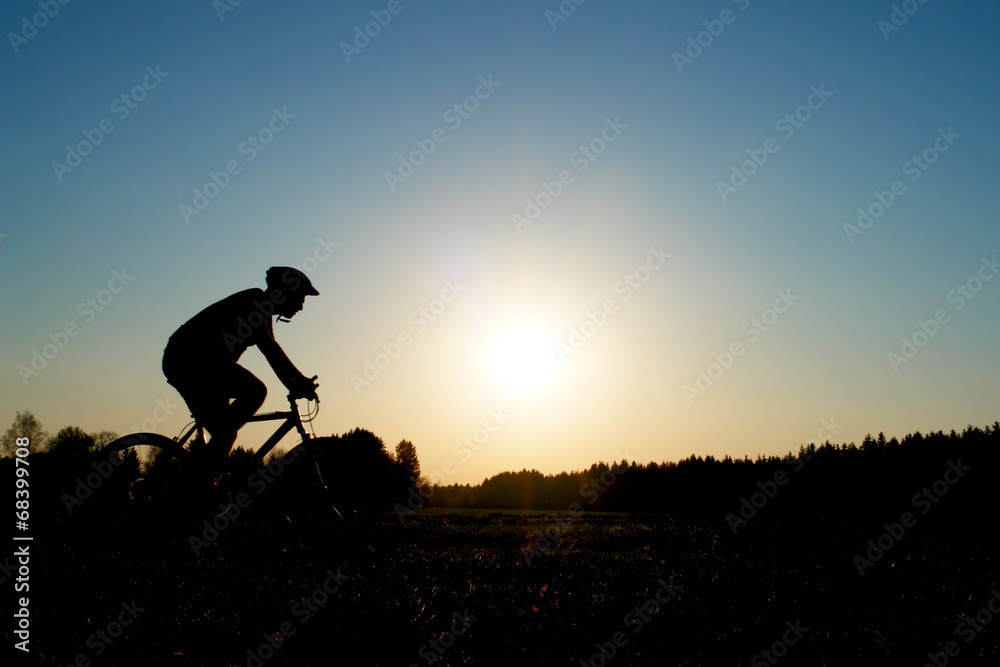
(330,482)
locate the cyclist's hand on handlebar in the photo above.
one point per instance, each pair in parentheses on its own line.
(305,388)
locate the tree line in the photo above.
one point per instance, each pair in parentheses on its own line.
(880,473)
(870,478)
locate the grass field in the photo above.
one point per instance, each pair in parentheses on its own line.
(461,580)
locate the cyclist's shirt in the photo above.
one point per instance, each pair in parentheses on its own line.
(227,328)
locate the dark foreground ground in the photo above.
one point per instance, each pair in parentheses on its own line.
(399,588)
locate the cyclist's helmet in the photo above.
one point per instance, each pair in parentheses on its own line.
(290,280)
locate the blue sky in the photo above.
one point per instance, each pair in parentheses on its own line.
(316,196)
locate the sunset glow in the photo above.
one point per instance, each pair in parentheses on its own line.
(680,227)
(523,357)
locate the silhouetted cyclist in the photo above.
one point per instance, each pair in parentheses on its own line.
(200,358)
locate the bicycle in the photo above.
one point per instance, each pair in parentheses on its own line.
(138,467)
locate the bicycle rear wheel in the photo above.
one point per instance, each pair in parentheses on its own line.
(143,466)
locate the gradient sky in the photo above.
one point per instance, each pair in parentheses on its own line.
(656,185)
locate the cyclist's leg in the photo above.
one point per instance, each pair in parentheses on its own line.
(207,385)
(248,394)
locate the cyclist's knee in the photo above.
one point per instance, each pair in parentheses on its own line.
(256,392)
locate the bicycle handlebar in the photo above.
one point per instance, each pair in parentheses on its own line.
(293,396)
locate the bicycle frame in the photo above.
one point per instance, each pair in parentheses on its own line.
(292,419)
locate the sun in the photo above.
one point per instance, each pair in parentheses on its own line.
(524,357)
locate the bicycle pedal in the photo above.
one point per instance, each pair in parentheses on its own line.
(223,481)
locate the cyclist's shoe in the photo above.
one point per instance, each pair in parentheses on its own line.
(218,451)
(208,460)
(224,447)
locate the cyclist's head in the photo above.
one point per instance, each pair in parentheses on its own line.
(293,284)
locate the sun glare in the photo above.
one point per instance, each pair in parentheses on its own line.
(524,357)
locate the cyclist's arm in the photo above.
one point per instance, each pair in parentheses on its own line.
(279,361)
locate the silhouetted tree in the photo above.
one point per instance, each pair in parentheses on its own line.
(103,438)
(365,467)
(406,463)
(25,426)
(362,444)
(72,442)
